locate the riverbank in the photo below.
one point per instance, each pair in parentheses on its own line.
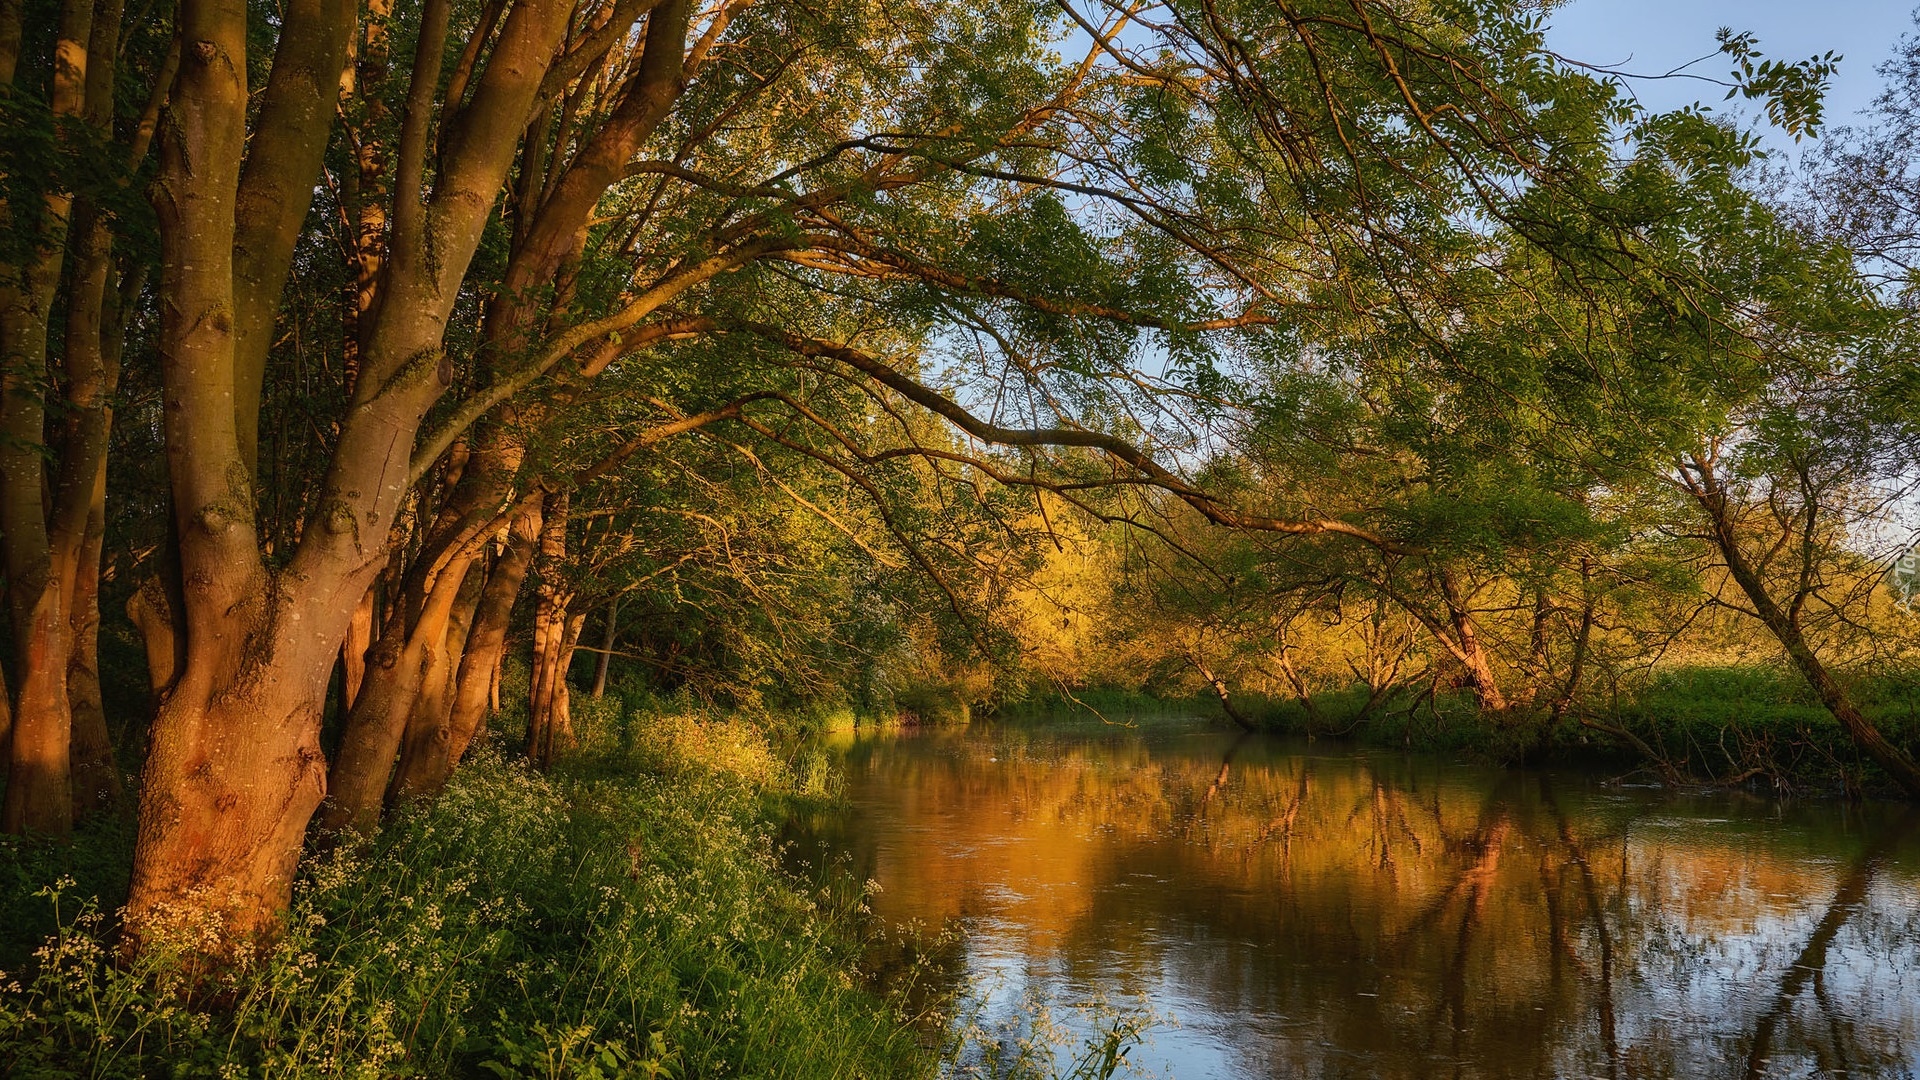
(1749,726)
(625,916)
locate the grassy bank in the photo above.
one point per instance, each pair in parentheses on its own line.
(624,917)
(1711,725)
(1107,703)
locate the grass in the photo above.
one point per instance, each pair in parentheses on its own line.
(1713,725)
(626,916)
(1724,722)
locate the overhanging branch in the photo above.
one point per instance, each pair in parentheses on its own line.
(1121,450)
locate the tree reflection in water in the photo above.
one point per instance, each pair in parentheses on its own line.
(1308,911)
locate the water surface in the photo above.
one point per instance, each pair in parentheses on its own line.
(1297,910)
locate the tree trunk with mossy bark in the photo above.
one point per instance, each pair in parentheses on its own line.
(235,770)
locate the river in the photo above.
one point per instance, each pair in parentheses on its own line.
(1273,907)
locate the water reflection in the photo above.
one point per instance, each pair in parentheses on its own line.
(1311,912)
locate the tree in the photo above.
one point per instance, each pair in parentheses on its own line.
(1786,500)
(72,270)
(235,770)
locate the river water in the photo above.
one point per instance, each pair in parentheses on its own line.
(1280,908)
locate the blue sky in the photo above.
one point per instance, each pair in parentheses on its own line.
(1655,36)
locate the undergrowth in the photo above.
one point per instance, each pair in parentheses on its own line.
(624,917)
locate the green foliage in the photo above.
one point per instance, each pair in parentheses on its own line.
(933,703)
(1762,724)
(628,918)
(1036,1044)
(1105,704)
(1794,92)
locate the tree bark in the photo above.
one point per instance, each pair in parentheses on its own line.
(1283,656)
(604,661)
(549,716)
(1458,634)
(95,335)
(353,652)
(407,660)
(42,527)
(155,613)
(551,215)
(428,760)
(1466,648)
(39,778)
(234,768)
(276,187)
(1219,688)
(96,776)
(6,717)
(235,772)
(433,704)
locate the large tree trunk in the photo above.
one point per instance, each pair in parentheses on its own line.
(235,771)
(430,753)
(234,768)
(96,776)
(43,527)
(39,778)
(95,335)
